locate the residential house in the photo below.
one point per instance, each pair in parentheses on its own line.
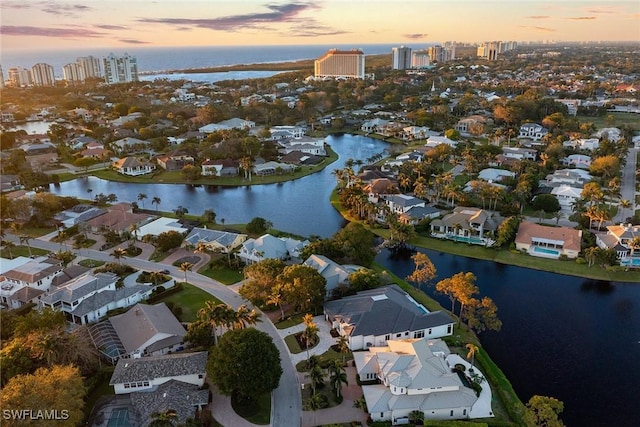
(161,225)
(520,153)
(373,317)
(143,330)
(379,187)
(119,218)
(548,242)
(68,274)
(174,162)
(234,123)
(215,240)
(96,151)
(466,124)
(299,158)
(125,119)
(415,214)
(272,168)
(612,134)
(410,133)
(304,144)
(40,155)
(279,133)
(579,161)
(572,177)
(436,140)
(129,143)
(89,297)
(77,214)
(401,203)
(222,167)
(334,273)
(532,131)
(270,247)
(372,126)
(10,183)
(401,159)
(590,144)
(567,196)
(467,224)
(133,166)
(27,281)
(417,375)
(620,237)
(495,175)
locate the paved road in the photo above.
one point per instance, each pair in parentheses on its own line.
(286,408)
(628,186)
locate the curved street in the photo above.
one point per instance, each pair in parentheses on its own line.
(286,407)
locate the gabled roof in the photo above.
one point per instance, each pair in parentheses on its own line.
(205,235)
(154,367)
(182,397)
(142,322)
(530,231)
(384,310)
(80,287)
(34,270)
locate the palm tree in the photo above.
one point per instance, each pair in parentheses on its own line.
(244,317)
(337,376)
(277,297)
(343,344)
(118,253)
(141,197)
(591,254)
(215,315)
(164,419)
(473,349)
(634,244)
(25,239)
(156,201)
(316,374)
(185,266)
(133,228)
(310,333)
(624,204)
(9,245)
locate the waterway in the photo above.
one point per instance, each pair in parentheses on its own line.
(300,206)
(574,339)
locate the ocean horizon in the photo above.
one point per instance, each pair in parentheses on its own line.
(163,59)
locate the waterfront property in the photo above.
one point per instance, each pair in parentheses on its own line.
(340,64)
(215,240)
(419,375)
(270,247)
(132,166)
(334,273)
(27,279)
(373,317)
(548,242)
(622,239)
(465,224)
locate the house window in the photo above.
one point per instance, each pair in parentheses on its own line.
(452,412)
(464,412)
(387,337)
(448,329)
(418,334)
(200,376)
(429,331)
(398,335)
(406,334)
(126,385)
(146,383)
(381,414)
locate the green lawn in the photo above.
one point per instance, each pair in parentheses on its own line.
(190,299)
(258,413)
(290,321)
(292,344)
(225,275)
(22,251)
(36,231)
(91,263)
(619,119)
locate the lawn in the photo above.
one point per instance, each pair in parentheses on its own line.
(257,413)
(619,119)
(22,251)
(290,321)
(91,263)
(190,299)
(225,275)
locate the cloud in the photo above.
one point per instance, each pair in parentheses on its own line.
(9,30)
(110,27)
(313,30)
(582,18)
(539,17)
(276,13)
(604,11)
(133,41)
(50,7)
(541,29)
(415,36)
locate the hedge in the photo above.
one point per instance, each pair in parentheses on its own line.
(161,295)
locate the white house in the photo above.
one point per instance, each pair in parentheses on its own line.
(435,140)
(418,375)
(234,123)
(215,240)
(373,317)
(519,153)
(270,247)
(572,177)
(579,161)
(303,144)
(87,298)
(619,237)
(532,131)
(146,373)
(334,273)
(467,224)
(567,195)
(161,225)
(129,142)
(26,281)
(495,175)
(285,132)
(133,166)
(401,203)
(589,144)
(372,126)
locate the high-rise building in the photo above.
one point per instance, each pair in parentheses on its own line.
(420,59)
(401,57)
(73,73)
(121,69)
(492,50)
(42,75)
(91,66)
(19,77)
(1,77)
(436,53)
(341,63)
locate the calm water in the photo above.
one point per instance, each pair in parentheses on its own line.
(298,206)
(210,77)
(574,339)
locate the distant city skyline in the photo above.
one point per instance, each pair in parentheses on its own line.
(118,24)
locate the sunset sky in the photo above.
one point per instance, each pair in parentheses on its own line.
(64,24)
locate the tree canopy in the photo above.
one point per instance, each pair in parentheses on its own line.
(246,362)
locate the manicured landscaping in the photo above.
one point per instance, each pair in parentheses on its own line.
(190,299)
(22,251)
(290,321)
(225,275)
(292,344)
(258,412)
(91,263)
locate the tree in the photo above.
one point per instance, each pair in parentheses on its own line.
(9,246)
(546,202)
(310,333)
(316,375)
(304,286)
(543,411)
(277,297)
(245,362)
(165,418)
(243,317)
(258,225)
(337,377)
(215,315)
(141,197)
(472,350)
(591,255)
(208,216)
(180,211)
(168,240)
(185,266)
(424,270)
(363,279)
(118,254)
(191,173)
(156,201)
(482,315)
(261,280)
(58,388)
(605,166)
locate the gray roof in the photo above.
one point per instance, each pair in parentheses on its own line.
(384,310)
(206,235)
(402,199)
(80,287)
(68,274)
(142,322)
(420,212)
(103,299)
(177,395)
(153,367)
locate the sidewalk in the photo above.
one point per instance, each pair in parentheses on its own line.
(325,341)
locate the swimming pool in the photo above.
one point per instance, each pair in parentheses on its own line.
(546,251)
(630,262)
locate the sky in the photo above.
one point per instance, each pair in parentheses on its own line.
(66,24)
